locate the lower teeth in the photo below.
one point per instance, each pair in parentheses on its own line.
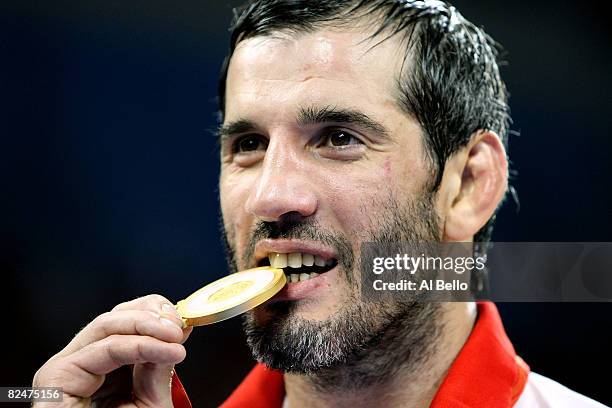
(299,277)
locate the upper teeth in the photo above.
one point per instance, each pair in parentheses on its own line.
(295,260)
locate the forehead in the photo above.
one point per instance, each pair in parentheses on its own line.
(323,67)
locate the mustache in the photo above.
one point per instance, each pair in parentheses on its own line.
(287,229)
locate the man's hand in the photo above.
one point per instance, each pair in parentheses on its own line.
(122,358)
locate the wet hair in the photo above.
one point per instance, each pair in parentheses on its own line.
(449,82)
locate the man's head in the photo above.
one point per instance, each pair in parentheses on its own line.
(346,122)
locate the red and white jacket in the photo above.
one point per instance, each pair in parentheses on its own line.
(487,373)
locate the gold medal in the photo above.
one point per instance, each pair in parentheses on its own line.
(231,295)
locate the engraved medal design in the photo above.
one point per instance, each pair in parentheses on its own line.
(231,295)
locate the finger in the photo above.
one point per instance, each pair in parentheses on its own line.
(82,372)
(153,384)
(152,303)
(127,322)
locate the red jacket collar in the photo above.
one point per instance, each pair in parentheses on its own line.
(486,373)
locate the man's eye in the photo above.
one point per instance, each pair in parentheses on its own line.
(249,143)
(339,138)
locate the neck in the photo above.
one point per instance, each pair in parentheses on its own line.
(390,373)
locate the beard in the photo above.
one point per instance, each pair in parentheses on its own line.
(366,341)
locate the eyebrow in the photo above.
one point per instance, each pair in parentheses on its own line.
(311,115)
(329,114)
(234,128)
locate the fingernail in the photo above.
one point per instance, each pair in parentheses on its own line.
(169,309)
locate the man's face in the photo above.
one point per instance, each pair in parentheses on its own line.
(317,157)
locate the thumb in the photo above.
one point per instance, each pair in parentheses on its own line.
(153,384)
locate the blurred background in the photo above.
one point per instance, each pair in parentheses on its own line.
(109,172)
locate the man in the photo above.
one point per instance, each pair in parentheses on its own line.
(343,122)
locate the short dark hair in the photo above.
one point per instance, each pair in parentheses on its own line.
(451,86)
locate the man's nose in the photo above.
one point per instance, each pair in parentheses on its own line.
(283,187)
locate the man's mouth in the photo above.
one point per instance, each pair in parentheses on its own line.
(299,266)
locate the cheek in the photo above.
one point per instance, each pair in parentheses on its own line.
(357,200)
(232,196)
(360,199)
(387,169)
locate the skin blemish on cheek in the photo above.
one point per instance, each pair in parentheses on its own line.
(306,67)
(387,168)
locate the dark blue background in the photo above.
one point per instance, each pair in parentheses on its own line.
(109,172)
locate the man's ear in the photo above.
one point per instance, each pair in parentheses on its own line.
(476,182)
